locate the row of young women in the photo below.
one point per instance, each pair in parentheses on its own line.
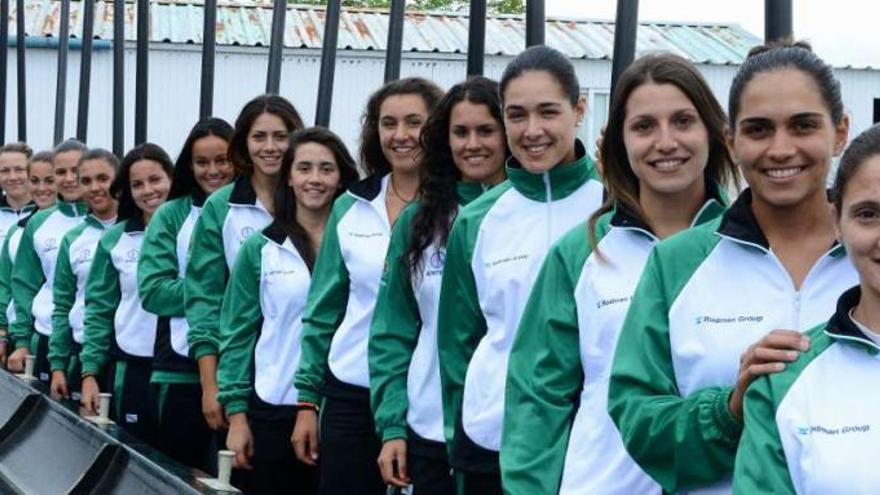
(545,340)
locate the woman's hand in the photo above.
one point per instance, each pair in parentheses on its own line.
(58,386)
(392,463)
(767,356)
(305,436)
(91,395)
(16,360)
(240,440)
(212,410)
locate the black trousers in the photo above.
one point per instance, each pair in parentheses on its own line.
(42,368)
(181,430)
(132,403)
(478,466)
(276,468)
(428,466)
(349,449)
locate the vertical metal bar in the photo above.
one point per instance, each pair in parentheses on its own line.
(626,25)
(276,47)
(85,70)
(777,20)
(20,72)
(395,41)
(4,55)
(141,84)
(61,81)
(476,38)
(534,22)
(119,77)
(328,64)
(209,38)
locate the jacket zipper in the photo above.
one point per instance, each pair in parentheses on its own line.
(546,177)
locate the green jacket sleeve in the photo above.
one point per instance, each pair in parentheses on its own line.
(544,379)
(460,322)
(325,309)
(760,461)
(27,278)
(240,321)
(102,297)
(681,442)
(394,333)
(63,296)
(5,279)
(159,283)
(206,276)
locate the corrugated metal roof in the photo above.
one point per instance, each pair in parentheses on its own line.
(249,24)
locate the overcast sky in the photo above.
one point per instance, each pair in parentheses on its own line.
(843,32)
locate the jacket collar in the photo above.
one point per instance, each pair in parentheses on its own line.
(72,208)
(135,224)
(94,221)
(624,217)
(274,233)
(468,191)
(4,205)
(561,180)
(842,328)
(369,188)
(243,192)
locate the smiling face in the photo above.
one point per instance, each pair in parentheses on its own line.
(314,177)
(477,143)
(858,223)
(65,174)
(540,120)
(13,175)
(666,141)
(400,124)
(149,184)
(267,141)
(785,138)
(42,182)
(211,168)
(95,178)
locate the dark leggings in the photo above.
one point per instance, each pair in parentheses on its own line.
(349,449)
(276,468)
(182,432)
(132,406)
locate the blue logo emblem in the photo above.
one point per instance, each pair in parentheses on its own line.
(437,259)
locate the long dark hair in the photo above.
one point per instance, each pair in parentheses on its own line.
(274,104)
(438,202)
(372,158)
(184,181)
(620,180)
(285,200)
(121,187)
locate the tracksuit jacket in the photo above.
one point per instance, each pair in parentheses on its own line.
(161,274)
(558,437)
(7,256)
(230,215)
(9,216)
(116,324)
(261,322)
(705,295)
(35,269)
(497,244)
(813,428)
(404,372)
(343,294)
(69,287)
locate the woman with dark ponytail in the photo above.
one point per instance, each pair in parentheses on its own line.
(466,148)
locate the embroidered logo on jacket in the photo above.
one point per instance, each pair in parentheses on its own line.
(246,232)
(717,320)
(821,430)
(51,244)
(509,259)
(83,256)
(132,255)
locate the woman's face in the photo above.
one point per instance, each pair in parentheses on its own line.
(210,165)
(785,138)
(666,141)
(13,174)
(858,223)
(149,184)
(42,180)
(65,174)
(540,120)
(477,143)
(267,141)
(401,118)
(314,177)
(95,177)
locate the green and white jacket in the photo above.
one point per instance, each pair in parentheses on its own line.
(814,427)
(495,249)
(230,215)
(7,257)
(404,372)
(9,216)
(261,322)
(705,295)
(69,288)
(35,269)
(343,294)
(115,321)
(161,275)
(559,438)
